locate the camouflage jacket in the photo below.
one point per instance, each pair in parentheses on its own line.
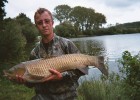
(64,89)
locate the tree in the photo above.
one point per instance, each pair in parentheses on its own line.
(28,28)
(12,41)
(77,17)
(84,20)
(2,10)
(61,13)
(90,19)
(130,71)
(99,20)
(65,29)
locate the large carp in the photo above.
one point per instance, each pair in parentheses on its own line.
(36,70)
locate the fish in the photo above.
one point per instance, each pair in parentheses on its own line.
(35,70)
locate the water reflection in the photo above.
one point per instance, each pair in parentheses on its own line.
(91,47)
(111,46)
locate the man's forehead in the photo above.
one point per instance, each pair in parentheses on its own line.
(45,15)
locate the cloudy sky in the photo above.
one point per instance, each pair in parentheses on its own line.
(116,11)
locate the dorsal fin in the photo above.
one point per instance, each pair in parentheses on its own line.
(48,57)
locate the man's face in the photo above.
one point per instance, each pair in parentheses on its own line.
(44,23)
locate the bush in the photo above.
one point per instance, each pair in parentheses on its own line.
(110,89)
(30,32)
(65,30)
(131,74)
(28,28)
(115,87)
(12,42)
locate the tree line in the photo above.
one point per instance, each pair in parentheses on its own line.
(77,21)
(82,21)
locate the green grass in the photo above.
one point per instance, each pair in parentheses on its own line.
(108,89)
(11,91)
(98,90)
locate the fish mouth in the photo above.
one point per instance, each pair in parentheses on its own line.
(7,73)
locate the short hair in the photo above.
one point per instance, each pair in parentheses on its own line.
(42,10)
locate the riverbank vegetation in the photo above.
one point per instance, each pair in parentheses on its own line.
(118,86)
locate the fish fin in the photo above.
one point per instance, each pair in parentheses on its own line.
(48,57)
(45,78)
(31,79)
(89,67)
(101,65)
(84,70)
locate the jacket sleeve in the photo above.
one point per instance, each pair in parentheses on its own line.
(32,55)
(74,75)
(71,48)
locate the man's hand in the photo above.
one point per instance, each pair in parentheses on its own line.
(56,75)
(18,79)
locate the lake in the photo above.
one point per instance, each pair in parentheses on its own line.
(109,46)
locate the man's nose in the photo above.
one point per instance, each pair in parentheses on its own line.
(44,24)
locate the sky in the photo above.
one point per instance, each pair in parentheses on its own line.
(115,11)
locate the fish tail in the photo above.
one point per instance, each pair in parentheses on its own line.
(101,65)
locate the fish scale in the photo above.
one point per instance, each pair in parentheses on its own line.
(59,63)
(36,70)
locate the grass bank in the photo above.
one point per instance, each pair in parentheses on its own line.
(11,91)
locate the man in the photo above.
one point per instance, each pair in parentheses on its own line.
(59,86)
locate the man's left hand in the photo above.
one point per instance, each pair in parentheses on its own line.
(56,75)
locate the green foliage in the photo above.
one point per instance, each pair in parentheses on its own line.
(2,10)
(86,19)
(108,89)
(79,16)
(129,25)
(28,29)
(66,30)
(115,87)
(131,73)
(83,19)
(131,68)
(87,22)
(61,13)
(126,28)
(30,32)
(11,91)
(12,42)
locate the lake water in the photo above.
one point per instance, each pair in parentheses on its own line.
(109,46)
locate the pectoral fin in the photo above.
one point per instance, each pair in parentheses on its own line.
(84,70)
